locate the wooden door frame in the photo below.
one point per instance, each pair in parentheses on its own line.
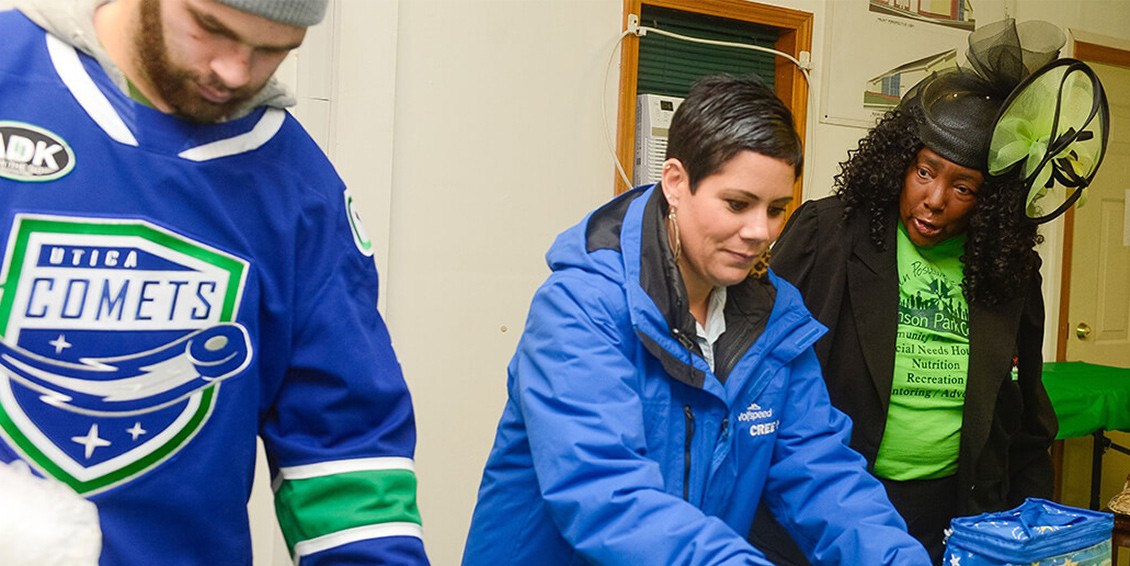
(790,84)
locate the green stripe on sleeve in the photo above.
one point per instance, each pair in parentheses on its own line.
(319,506)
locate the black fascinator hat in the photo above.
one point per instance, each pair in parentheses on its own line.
(1017,107)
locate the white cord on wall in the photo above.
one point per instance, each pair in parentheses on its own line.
(604,110)
(634,28)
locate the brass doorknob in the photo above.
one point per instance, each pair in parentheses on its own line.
(1083,331)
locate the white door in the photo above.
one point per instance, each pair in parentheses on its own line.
(1098,325)
(1099,314)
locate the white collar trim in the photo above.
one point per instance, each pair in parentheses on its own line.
(94,101)
(70,69)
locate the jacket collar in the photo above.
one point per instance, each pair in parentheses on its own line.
(660,280)
(748,306)
(659,274)
(633,226)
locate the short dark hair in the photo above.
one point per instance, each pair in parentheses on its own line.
(724,115)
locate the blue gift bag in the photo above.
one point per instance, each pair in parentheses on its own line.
(1037,533)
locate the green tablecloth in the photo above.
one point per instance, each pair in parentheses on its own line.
(1088,397)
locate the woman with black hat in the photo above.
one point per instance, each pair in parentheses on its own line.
(923,266)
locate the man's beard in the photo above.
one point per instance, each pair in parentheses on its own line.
(176,86)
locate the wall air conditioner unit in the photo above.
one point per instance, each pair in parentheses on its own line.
(653,118)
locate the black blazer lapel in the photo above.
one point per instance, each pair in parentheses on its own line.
(873,286)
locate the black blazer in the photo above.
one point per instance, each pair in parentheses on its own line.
(851,285)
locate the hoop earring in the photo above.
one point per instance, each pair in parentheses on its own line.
(761,266)
(673,234)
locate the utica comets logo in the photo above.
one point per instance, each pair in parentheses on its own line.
(144,382)
(116,338)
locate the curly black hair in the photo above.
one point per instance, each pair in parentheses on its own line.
(1000,255)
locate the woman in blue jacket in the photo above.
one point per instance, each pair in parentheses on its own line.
(665,382)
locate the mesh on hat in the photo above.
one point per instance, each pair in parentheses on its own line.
(298,13)
(1019,108)
(960,107)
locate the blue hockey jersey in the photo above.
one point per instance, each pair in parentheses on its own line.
(170,291)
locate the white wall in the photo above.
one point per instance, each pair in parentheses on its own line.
(499,146)
(470,132)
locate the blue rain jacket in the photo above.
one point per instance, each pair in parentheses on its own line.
(619,445)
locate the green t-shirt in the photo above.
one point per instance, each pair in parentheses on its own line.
(923,430)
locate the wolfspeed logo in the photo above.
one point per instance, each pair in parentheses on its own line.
(759,420)
(117,336)
(30,153)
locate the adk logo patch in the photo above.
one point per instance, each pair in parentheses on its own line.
(117,336)
(30,153)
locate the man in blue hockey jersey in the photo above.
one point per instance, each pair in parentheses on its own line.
(181,271)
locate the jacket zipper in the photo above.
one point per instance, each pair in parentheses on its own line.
(688,415)
(732,357)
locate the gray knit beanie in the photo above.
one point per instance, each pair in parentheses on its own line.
(298,13)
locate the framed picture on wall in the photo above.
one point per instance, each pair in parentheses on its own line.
(878,49)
